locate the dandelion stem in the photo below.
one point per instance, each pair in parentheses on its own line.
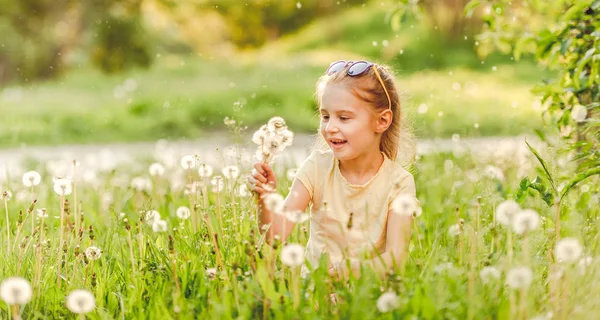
(557,220)
(75,197)
(417,235)
(7,226)
(564,296)
(32,215)
(471,285)
(296,287)
(60,241)
(130,242)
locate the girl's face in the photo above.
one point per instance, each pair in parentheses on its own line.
(347,123)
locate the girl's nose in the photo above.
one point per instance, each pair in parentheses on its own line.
(331,127)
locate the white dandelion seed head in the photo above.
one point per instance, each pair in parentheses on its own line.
(242,191)
(259,136)
(296,216)
(217,184)
(525,221)
(42,213)
(292,255)
(31,179)
(579,113)
(276,124)
(188,162)
(494,172)
(63,187)
(489,274)
(506,211)
(156,169)
(81,301)
(519,277)
(455,230)
(141,184)
(211,273)
(93,253)
(568,250)
(231,172)
(205,170)
(151,216)
(584,263)
(159,226)
(6,195)
(274,202)
(387,302)
(406,204)
(183,213)
(15,291)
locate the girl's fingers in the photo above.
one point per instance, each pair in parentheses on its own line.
(259,168)
(259,177)
(258,190)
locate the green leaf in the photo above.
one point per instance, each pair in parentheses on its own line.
(578,178)
(543,163)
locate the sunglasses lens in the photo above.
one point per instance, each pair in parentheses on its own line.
(358,68)
(335,67)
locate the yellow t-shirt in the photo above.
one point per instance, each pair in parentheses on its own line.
(333,199)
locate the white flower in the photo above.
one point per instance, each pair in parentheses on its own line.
(81,301)
(6,195)
(205,170)
(519,278)
(15,291)
(141,184)
(41,213)
(159,226)
(506,211)
(291,173)
(579,113)
(151,216)
(274,202)
(259,136)
(525,221)
(217,184)
(568,250)
(188,162)
(454,230)
(406,204)
(292,255)
(156,169)
(387,302)
(231,172)
(31,179)
(211,273)
(183,213)
(93,253)
(489,274)
(63,187)
(296,216)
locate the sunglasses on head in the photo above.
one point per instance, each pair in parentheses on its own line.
(356,69)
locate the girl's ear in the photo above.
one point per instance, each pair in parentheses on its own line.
(384,120)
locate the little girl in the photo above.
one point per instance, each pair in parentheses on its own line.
(353,175)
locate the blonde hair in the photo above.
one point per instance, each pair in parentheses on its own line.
(397,141)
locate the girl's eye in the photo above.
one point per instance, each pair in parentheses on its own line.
(344,118)
(324,117)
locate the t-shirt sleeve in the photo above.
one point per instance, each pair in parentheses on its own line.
(405,184)
(308,172)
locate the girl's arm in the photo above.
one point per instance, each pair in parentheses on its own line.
(399,230)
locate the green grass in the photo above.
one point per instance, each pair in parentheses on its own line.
(434,284)
(188,97)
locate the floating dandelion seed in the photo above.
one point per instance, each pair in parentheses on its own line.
(387,302)
(183,213)
(274,202)
(519,277)
(489,274)
(63,187)
(31,179)
(231,172)
(292,255)
(188,162)
(406,204)
(15,291)
(93,253)
(81,301)
(159,226)
(579,113)
(156,169)
(205,170)
(525,221)
(568,250)
(506,211)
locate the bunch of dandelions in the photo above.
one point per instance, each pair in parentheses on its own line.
(272,138)
(15,291)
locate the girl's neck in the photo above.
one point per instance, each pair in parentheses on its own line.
(360,169)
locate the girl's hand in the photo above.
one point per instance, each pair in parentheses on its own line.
(262,179)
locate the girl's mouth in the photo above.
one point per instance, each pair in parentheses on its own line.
(337,143)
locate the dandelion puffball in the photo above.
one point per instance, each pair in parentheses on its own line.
(231,172)
(274,202)
(519,277)
(31,179)
(579,113)
(183,213)
(159,226)
(156,169)
(568,250)
(63,187)
(151,216)
(188,162)
(506,211)
(217,184)
(525,221)
(296,216)
(292,255)
(489,274)
(406,204)
(6,195)
(15,291)
(81,301)
(93,253)
(205,170)
(387,302)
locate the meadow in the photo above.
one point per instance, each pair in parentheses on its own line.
(170,238)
